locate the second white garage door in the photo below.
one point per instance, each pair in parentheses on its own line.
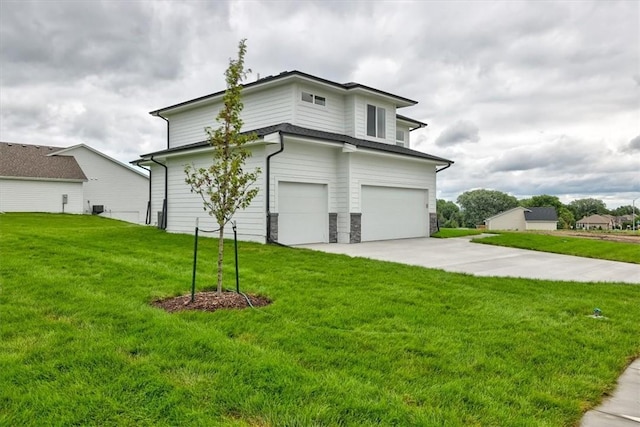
(303,213)
(393,213)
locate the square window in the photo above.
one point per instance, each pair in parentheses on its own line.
(307,97)
(399,135)
(320,100)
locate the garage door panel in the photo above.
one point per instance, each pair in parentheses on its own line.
(302,213)
(393,213)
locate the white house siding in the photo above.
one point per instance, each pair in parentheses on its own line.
(349,115)
(386,171)
(263,108)
(329,117)
(361,119)
(184,207)
(157,191)
(541,225)
(382,170)
(510,220)
(122,192)
(21,195)
(305,162)
(342,197)
(407,135)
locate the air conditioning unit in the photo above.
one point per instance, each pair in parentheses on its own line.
(97,209)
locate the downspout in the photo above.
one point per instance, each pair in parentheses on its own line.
(166,180)
(163,224)
(440,170)
(268,195)
(147,219)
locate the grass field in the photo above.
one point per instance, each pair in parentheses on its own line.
(445,233)
(346,341)
(568,245)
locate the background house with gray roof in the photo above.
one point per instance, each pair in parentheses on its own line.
(519,218)
(77,180)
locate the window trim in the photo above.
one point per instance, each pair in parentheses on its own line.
(379,127)
(320,101)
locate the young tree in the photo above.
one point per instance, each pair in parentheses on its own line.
(225,186)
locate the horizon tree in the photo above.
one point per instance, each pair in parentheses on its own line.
(225,186)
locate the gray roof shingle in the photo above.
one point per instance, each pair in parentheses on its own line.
(540,214)
(289,129)
(36,161)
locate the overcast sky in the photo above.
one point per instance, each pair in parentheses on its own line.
(534,97)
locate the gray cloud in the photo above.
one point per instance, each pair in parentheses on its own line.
(458,133)
(528,72)
(634,145)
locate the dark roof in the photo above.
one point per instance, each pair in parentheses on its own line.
(540,214)
(283,75)
(37,161)
(292,130)
(410,120)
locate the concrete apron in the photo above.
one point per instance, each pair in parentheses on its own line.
(459,255)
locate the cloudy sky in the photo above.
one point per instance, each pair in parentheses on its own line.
(533,97)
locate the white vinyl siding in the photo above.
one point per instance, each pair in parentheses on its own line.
(510,220)
(122,192)
(541,225)
(371,169)
(329,117)
(184,207)
(304,162)
(157,191)
(22,195)
(360,117)
(261,109)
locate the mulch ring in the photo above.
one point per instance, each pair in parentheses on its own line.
(210,301)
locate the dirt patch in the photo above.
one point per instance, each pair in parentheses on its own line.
(211,301)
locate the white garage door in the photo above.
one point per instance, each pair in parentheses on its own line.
(303,213)
(393,213)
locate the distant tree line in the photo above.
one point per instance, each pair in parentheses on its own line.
(474,206)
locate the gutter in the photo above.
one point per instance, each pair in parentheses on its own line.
(163,223)
(268,195)
(441,169)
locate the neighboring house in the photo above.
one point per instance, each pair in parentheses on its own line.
(77,179)
(335,160)
(519,218)
(605,222)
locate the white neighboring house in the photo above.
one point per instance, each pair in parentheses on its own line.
(77,179)
(335,160)
(519,218)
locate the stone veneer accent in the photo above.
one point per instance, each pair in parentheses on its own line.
(433,223)
(273,227)
(333,228)
(355,228)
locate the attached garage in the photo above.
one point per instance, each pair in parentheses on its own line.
(393,213)
(303,213)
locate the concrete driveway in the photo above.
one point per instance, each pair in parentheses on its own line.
(461,256)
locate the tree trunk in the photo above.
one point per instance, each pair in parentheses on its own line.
(220,257)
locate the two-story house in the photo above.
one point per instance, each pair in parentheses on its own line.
(335,158)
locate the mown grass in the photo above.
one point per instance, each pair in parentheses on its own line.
(346,341)
(589,248)
(445,233)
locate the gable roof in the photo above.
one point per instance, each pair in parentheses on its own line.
(292,130)
(99,153)
(517,208)
(595,219)
(36,162)
(540,214)
(285,76)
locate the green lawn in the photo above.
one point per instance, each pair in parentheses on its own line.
(445,233)
(346,341)
(590,248)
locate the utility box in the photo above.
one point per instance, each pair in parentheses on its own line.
(65,199)
(97,209)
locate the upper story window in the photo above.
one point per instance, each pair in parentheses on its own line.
(314,99)
(376,121)
(400,135)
